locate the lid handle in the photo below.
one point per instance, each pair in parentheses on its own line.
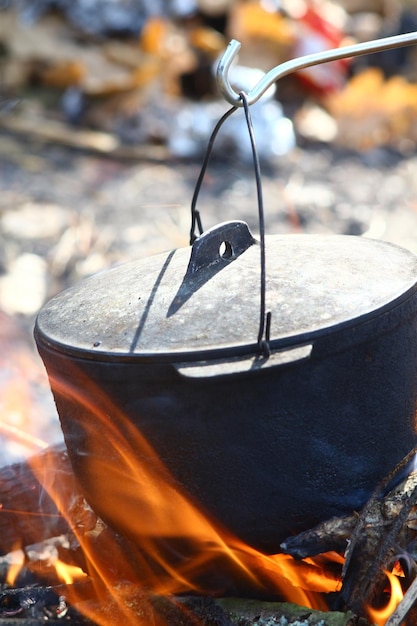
(221,244)
(210,253)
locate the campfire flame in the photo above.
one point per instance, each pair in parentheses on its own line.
(17,558)
(154,514)
(395,595)
(68,573)
(173,546)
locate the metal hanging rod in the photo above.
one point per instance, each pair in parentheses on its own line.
(368,47)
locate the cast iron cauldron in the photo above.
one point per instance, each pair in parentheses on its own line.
(269,445)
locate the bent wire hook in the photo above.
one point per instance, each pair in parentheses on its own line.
(377,45)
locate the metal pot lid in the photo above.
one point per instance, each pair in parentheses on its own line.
(203,301)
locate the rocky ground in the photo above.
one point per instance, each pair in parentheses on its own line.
(70,213)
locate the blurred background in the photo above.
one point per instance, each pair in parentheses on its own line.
(106,107)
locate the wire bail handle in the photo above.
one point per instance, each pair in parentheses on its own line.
(245,100)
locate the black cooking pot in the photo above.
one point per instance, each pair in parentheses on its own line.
(269,439)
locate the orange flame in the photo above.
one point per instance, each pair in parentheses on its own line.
(68,573)
(65,573)
(380,616)
(20,436)
(174,546)
(17,559)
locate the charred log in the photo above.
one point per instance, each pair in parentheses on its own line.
(379,539)
(373,540)
(27,513)
(333,534)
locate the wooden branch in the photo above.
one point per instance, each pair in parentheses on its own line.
(55,132)
(333,534)
(330,535)
(379,536)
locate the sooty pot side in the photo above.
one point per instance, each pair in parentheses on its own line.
(266,453)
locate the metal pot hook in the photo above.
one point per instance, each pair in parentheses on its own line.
(288,67)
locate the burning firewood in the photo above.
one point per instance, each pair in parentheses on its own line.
(372,540)
(334,534)
(379,539)
(376,538)
(27,514)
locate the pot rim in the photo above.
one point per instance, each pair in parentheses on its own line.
(244,350)
(159,310)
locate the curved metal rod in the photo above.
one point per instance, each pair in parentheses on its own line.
(377,45)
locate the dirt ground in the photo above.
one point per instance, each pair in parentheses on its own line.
(82,213)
